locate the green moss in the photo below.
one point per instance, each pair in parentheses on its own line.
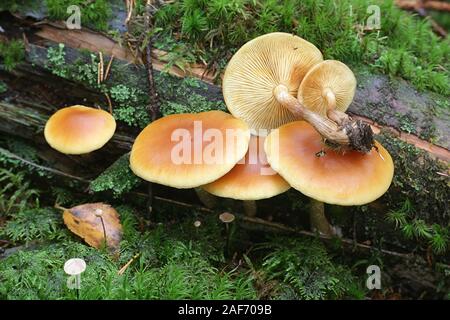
(15,5)
(118,178)
(129,105)
(183,96)
(405,46)
(304,270)
(3,87)
(12,53)
(166,269)
(56,61)
(417,178)
(34,224)
(436,236)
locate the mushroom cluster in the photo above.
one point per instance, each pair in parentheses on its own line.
(287,128)
(280,81)
(277,84)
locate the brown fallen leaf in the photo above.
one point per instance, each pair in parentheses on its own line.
(91,221)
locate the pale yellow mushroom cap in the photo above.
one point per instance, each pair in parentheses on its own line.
(79,129)
(257,68)
(251,179)
(350,178)
(189,150)
(332,76)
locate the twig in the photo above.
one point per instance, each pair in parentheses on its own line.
(109,103)
(108,68)
(432,5)
(57,206)
(54,171)
(125,267)
(99,77)
(130,5)
(420,6)
(100,54)
(154,104)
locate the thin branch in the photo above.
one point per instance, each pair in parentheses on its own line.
(9,154)
(154,104)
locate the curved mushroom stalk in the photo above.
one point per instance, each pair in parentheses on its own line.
(208,200)
(318,220)
(347,134)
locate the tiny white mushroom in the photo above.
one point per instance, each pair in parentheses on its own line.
(98,212)
(197,223)
(74,266)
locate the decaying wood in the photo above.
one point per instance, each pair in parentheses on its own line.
(420,7)
(423,4)
(374,90)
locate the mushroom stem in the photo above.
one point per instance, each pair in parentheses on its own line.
(330,97)
(341,132)
(318,219)
(208,200)
(57,206)
(104,232)
(150,200)
(250,208)
(227,242)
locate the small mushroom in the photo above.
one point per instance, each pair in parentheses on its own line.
(257,68)
(75,266)
(297,152)
(251,179)
(329,85)
(197,223)
(79,129)
(175,150)
(227,218)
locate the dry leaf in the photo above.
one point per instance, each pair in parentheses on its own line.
(86,221)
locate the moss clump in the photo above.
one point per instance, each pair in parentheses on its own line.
(118,178)
(304,270)
(129,105)
(183,95)
(417,178)
(12,53)
(34,224)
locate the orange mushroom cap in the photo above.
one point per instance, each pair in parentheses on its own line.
(251,179)
(351,178)
(189,150)
(79,129)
